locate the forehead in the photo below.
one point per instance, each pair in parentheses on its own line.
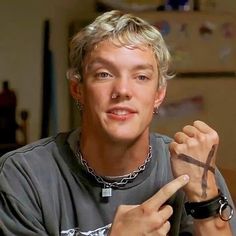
(114,51)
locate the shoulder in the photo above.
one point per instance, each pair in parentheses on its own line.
(160,143)
(160,148)
(33,153)
(160,138)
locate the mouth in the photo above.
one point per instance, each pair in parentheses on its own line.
(121,113)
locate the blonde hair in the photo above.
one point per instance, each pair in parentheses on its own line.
(127,30)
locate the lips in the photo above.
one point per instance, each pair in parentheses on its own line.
(121,113)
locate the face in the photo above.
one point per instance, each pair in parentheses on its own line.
(119,92)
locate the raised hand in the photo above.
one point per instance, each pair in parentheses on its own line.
(193,152)
(149,218)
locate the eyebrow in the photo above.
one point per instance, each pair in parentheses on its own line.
(100,60)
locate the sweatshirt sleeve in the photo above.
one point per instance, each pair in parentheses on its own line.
(224,189)
(19,208)
(17,219)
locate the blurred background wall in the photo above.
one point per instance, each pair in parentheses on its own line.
(21,52)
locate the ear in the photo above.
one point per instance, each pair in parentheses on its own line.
(76,90)
(160,95)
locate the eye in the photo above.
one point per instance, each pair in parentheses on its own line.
(103,75)
(142,77)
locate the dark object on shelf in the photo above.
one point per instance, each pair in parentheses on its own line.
(8,124)
(178,5)
(7,115)
(127,6)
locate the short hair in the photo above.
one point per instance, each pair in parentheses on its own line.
(127,30)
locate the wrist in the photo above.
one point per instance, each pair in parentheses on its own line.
(216,206)
(198,196)
(197,191)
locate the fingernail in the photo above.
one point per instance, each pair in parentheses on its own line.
(186,178)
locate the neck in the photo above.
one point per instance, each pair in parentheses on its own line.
(109,158)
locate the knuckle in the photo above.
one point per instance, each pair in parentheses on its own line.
(165,214)
(215,136)
(159,220)
(164,229)
(191,142)
(202,138)
(187,127)
(167,225)
(145,209)
(176,135)
(175,148)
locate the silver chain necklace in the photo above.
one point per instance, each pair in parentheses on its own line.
(107,186)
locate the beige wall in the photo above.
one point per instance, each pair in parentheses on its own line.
(219,111)
(21,42)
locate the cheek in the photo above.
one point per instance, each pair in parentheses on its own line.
(95,97)
(149,98)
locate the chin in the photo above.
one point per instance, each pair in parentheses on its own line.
(121,140)
(124,137)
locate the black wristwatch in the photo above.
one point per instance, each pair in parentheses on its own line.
(217,206)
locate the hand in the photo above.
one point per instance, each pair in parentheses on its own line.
(193,152)
(149,218)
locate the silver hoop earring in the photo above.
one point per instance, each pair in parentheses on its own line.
(79,105)
(155,111)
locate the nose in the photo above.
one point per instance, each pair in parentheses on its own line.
(122,89)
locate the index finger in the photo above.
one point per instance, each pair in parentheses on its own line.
(157,200)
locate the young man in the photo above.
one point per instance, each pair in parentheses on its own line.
(112,176)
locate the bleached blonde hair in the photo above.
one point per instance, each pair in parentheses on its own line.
(124,29)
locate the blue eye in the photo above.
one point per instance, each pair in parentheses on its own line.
(142,77)
(103,75)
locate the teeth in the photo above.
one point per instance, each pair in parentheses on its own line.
(120,112)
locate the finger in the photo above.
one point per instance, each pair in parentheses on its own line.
(203,127)
(164,229)
(157,200)
(195,136)
(157,218)
(180,137)
(164,213)
(190,130)
(176,148)
(206,129)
